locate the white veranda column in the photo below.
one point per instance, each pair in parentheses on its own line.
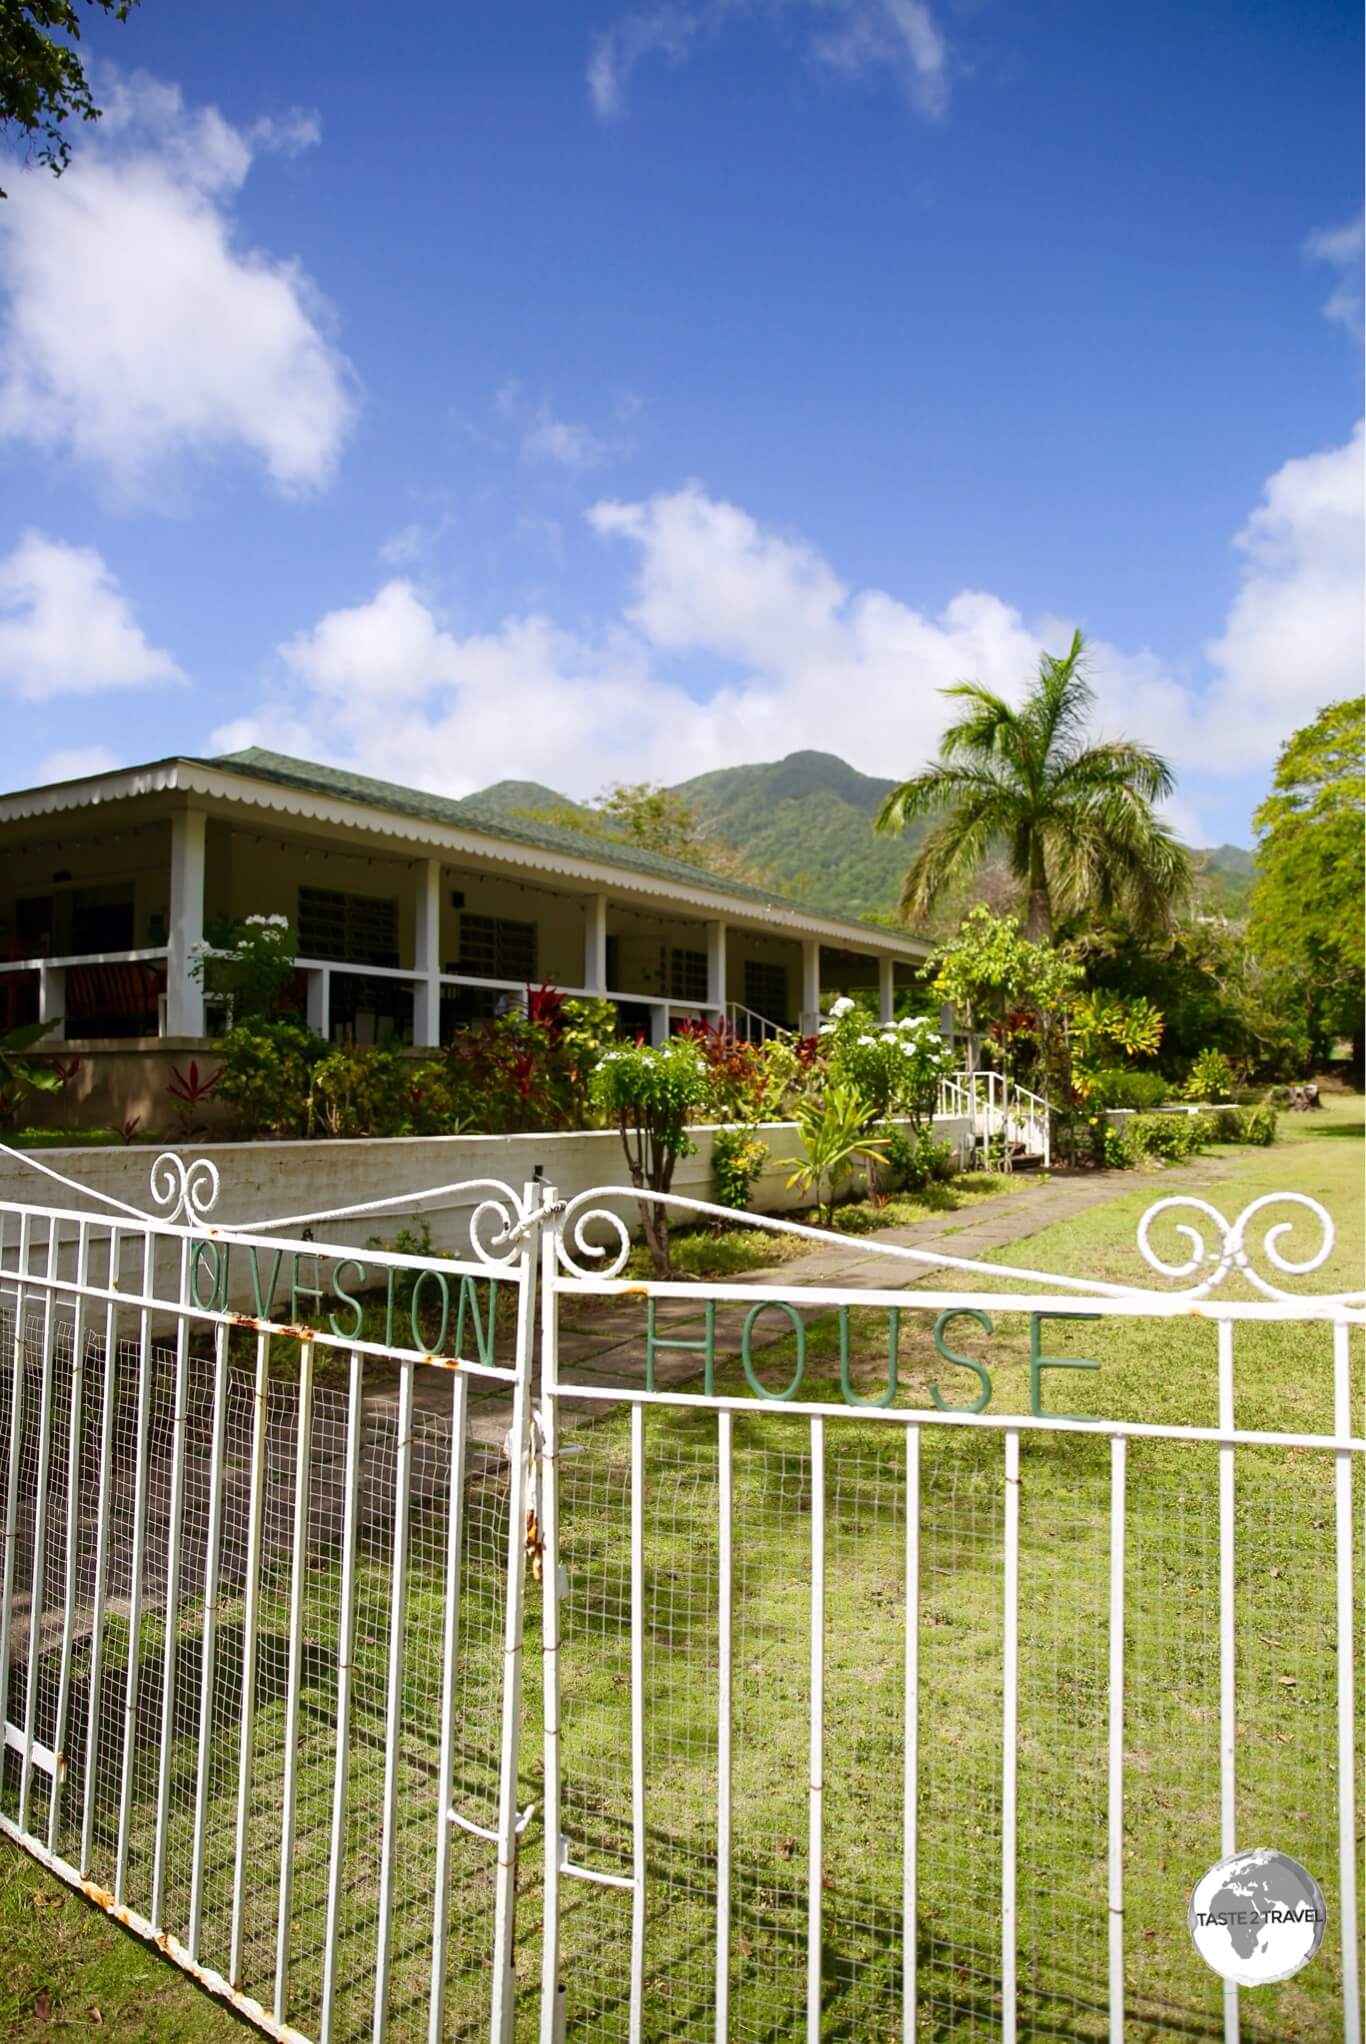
(427,958)
(185,996)
(51,1000)
(811,984)
(595,944)
(886,988)
(716,968)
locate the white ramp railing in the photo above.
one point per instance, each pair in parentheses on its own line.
(1000,1113)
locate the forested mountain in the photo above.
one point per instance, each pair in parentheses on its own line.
(807,821)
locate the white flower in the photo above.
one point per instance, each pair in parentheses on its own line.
(843,1006)
(868,1039)
(908,1022)
(826,1029)
(280,922)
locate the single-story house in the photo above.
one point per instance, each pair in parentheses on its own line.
(413,912)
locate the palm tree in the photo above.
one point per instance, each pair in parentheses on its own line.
(1074,820)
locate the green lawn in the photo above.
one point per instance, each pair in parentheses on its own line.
(66,1961)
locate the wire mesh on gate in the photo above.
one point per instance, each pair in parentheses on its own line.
(269,1708)
(953,1485)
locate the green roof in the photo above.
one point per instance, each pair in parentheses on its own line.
(471,814)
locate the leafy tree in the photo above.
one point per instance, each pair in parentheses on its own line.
(650,1093)
(42,79)
(1075,820)
(1306,916)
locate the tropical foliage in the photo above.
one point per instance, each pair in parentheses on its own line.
(837,1131)
(1307,903)
(1075,819)
(738,1156)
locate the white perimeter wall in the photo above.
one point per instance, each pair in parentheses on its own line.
(259,1182)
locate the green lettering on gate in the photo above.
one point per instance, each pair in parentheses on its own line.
(779,1306)
(952,1356)
(263,1305)
(1039,1363)
(349,1333)
(440,1342)
(298,1291)
(851,1397)
(218,1290)
(706,1347)
(468,1295)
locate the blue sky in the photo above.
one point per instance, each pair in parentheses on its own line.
(590,392)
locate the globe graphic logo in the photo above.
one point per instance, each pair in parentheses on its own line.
(1257,1918)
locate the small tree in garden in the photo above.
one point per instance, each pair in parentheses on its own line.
(985,972)
(1010,987)
(650,1092)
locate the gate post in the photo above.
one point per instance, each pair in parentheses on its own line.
(552,1994)
(505,1902)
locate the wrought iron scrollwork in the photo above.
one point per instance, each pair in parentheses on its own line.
(1231,1250)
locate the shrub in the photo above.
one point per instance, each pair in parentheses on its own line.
(251,962)
(267,1067)
(360,1090)
(1209,1078)
(737,1159)
(1171,1136)
(913,1157)
(894,1069)
(1117,1086)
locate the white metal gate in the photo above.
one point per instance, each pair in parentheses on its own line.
(859,1693)
(882,1700)
(260,1641)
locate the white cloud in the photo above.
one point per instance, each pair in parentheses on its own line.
(140,330)
(849,37)
(1294,634)
(1343,249)
(74,762)
(664,31)
(66,628)
(900,35)
(567,443)
(803,659)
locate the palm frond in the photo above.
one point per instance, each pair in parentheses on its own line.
(1117,762)
(951,852)
(936,788)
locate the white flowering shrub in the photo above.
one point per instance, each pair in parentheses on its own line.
(895,1067)
(252,962)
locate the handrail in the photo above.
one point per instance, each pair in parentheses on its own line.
(1005,1107)
(766,1026)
